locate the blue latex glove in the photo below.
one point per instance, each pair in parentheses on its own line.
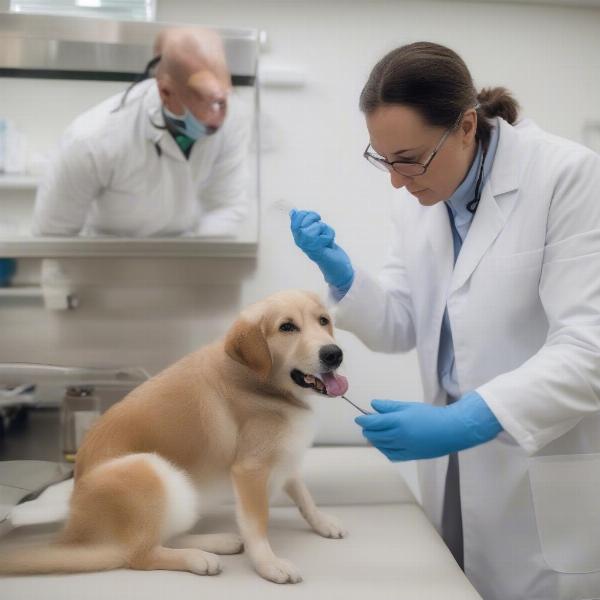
(316,240)
(414,430)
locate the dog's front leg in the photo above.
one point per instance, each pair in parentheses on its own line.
(250,483)
(324,524)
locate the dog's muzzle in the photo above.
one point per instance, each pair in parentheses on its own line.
(327,382)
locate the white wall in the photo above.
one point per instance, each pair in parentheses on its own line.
(130,314)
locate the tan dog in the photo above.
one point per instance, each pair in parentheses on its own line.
(236,411)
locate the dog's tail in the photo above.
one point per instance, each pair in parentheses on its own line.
(62,558)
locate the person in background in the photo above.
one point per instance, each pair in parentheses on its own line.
(493,276)
(165,158)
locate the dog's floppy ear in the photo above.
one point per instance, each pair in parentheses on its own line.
(246,344)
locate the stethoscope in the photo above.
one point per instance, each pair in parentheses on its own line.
(472,206)
(146,74)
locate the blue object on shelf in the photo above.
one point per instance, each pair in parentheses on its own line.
(8,267)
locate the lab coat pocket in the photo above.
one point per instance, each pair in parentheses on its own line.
(565,491)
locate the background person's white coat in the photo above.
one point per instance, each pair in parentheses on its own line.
(524,307)
(121,173)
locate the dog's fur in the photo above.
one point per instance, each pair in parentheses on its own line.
(229,412)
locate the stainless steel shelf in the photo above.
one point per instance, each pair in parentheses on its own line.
(51,247)
(64,47)
(21,292)
(12,374)
(18,182)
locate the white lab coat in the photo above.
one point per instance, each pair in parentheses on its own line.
(116,173)
(524,307)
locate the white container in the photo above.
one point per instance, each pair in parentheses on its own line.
(3,125)
(13,148)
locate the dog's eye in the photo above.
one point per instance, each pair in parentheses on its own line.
(288,327)
(324,321)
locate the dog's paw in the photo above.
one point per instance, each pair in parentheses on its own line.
(279,570)
(203,563)
(328,526)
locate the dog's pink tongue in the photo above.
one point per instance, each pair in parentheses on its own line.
(336,385)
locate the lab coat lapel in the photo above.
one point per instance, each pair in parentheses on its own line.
(487,224)
(497,198)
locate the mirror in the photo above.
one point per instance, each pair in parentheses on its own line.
(65,67)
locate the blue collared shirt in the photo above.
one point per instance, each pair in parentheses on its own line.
(460,220)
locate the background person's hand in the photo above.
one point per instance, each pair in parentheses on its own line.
(317,240)
(414,430)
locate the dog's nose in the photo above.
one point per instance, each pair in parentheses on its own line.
(331,356)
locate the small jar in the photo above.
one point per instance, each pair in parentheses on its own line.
(80,409)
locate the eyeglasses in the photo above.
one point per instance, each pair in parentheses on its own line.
(407,168)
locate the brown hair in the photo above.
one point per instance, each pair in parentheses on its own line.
(436,82)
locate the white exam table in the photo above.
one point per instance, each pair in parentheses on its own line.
(391,552)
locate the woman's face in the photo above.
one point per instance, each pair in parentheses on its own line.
(399,132)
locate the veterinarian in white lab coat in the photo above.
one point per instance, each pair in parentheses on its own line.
(165,159)
(494,277)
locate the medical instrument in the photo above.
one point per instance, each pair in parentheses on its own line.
(282,206)
(146,74)
(362,410)
(472,206)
